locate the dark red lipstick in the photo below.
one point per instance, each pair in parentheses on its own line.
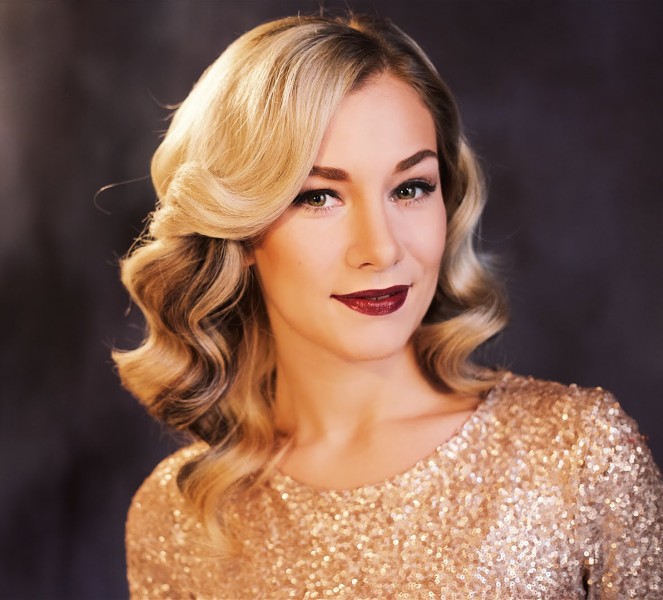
(375,302)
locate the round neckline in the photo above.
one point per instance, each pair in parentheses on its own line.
(282,481)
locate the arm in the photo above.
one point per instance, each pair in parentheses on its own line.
(625,516)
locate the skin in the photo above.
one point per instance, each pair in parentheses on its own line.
(371,215)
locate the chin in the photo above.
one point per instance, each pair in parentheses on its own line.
(375,349)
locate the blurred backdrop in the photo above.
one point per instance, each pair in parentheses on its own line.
(562,101)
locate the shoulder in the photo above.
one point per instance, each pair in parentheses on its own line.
(578,444)
(558,422)
(562,423)
(568,409)
(160,524)
(555,433)
(159,493)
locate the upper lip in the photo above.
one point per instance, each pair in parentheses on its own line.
(368,294)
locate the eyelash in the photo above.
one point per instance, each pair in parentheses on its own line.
(427,188)
(301,199)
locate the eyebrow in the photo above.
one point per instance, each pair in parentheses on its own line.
(341,175)
(415,159)
(329,173)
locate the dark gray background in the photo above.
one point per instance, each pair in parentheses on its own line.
(560,99)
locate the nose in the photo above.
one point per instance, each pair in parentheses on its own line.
(374,242)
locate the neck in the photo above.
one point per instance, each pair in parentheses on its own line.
(325,398)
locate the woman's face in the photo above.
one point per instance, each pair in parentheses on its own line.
(352,266)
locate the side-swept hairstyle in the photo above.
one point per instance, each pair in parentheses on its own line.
(236,154)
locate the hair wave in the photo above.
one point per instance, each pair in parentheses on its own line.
(235,155)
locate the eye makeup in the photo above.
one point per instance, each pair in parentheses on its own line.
(323,200)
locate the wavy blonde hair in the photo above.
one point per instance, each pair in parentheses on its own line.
(237,152)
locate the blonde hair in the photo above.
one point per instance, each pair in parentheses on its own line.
(237,152)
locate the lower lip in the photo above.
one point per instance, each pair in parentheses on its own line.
(376,308)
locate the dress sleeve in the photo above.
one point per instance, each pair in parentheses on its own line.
(158,536)
(149,573)
(625,509)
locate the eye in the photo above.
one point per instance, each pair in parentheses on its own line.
(406,192)
(316,199)
(413,190)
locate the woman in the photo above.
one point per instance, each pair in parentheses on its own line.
(312,298)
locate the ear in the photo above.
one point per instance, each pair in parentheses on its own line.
(248,256)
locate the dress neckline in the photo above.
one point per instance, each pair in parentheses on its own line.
(286,484)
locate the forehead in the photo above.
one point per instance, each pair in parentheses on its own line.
(384,121)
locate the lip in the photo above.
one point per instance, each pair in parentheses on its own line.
(375,302)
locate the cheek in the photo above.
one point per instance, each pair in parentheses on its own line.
(437,240)
(290,259)
(430,239)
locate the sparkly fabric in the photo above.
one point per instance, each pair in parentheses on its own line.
(546,492)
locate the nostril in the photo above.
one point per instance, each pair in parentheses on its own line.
(377,252)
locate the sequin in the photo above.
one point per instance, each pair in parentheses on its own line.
(546,492)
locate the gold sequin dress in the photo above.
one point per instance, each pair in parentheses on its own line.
(546,492)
